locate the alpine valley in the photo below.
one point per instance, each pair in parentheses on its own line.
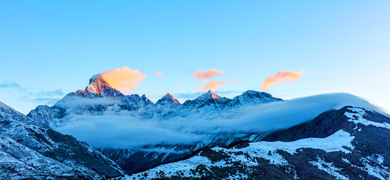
(252,136)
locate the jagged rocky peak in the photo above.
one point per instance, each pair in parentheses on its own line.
(211,96)
(137,98)
(207,98)
(168,98)
(42,114)
(256,93)
(136,101)
(250,94)
(99,86)
(253,97)
(146,100)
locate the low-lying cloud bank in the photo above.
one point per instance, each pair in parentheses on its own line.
(122,131)
(75,101)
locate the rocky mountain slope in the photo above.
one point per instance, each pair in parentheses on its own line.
(349,143)
(30,151)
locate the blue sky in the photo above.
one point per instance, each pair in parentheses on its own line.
(50,48)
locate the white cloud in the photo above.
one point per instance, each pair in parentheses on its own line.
(74,101)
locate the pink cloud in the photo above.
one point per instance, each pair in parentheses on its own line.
(123,79)
(178,85)
(158,74)
(205,75)
(212,85)
(281,77)
(234,81)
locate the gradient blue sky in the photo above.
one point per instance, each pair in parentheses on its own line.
(50,48)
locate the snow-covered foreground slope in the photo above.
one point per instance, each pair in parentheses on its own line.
(349,143)
(30,151)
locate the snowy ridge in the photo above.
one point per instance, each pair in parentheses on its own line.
(7,112)
(4,110)
(357,114)
(27,163)
(251,97)
(43,115)
(29,151)
(329,168)
(211,96)
(339,141)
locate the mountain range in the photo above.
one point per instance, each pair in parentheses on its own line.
(251,136)
(98,98)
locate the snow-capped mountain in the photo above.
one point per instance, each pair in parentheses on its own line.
(99,98)
(216,137)
(252,98)
(168,99)
(208,98)
(31,151)
(349,143)
(167,106)
(99,87)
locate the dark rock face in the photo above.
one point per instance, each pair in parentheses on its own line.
(141,159)
(82,153)
(32,151)
(322,157)
(322,126)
